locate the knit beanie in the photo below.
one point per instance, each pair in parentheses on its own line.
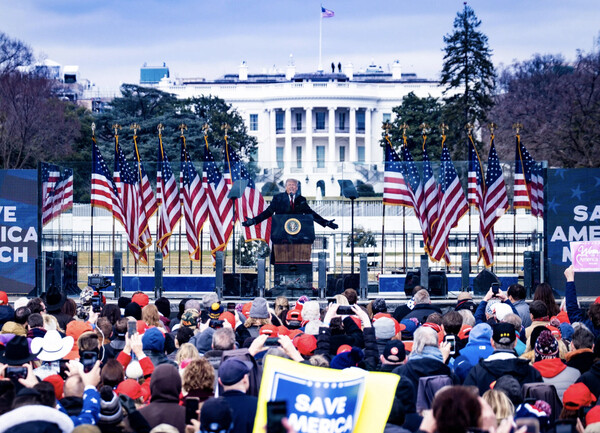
(110,406)
(153,340)
(347,359)
(259,309)
(311,311)
(546,346)
(379,306)
(385,328)
(134,310)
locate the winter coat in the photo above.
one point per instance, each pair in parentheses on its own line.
(489,370)
(574,312)
(413,370)
(555,372)
(422,311)
(523,312)
(35,418)
(474,351)
(592,379)
(164,404)
(244,410)
(581,359)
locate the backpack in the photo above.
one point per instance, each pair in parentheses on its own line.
(428,387)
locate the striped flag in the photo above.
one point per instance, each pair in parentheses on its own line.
(104,190)
(452,206)
(219,206)
(476,184)
(251,203)
(529,182)
(50,176)
(431,192)
(495,204)
(327,13)
(149,205)
(62,198)
(194,203)
(167,195)
(416,193)
(395,191)
(67,202)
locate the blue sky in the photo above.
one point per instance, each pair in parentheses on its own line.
(111,39)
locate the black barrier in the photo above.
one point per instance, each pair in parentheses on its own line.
(240,285)
(337,283)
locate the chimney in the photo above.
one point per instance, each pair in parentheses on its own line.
(349,71)
(291,68)
(396,70)
(243,73)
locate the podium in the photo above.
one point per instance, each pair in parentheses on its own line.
(292,236)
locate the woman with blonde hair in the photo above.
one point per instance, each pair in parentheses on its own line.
(187,352)
(150,316)
(500,404)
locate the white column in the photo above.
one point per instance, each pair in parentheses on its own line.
(287,150)
(352,144)
(368,135)
(272,133)
(331,154)
(309,162)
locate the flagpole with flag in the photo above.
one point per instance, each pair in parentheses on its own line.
(325,13)
(92,220)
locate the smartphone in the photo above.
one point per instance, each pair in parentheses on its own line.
(276,411)
(495,288)
(131,328)
(88,360)
(565,426)
(532,424)
(191,409)
(96,303)
(16,373)
(215,324)
(452,340)
(345,310)
(62,368)
(272,341)
(231,306)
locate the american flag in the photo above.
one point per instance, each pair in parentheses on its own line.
(50,176)
(529,183)
(495,204)
(415,188)
(67,202)
(104,190)
(167,195)
(149,205)
(452,206)
(194,203)
(62,199)
(327,13)
(395,191)
(431,192)
(219,206)
(128,186)
(476,184)
(251,203)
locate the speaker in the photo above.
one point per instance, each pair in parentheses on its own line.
(240,285)
(437,283)
(483,282)
(336,284)
(70,273)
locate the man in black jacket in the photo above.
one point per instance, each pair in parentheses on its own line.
(423,307)
(289,202)
(233,376)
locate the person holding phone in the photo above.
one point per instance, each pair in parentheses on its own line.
(496,293)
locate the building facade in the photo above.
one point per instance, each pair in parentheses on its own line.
(316,127)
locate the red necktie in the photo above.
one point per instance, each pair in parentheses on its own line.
(292,201)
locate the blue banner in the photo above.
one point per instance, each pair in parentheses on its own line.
(573,214)
(18,230)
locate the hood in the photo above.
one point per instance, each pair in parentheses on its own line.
(165,385)
(516,367)
(549,367)
(474,352)
(204,340)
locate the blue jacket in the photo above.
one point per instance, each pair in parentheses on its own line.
(90,412)
(480,312)
(574,312)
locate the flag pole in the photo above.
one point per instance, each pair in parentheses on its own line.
(517,127)
(92,219)
(116,127)
(320,68)
(135,127)
(404,244)
(160,129)
(386,128)
(182,127)
(469,128)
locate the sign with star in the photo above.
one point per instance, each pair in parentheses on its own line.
(573,216)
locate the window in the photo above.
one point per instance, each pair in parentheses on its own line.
(342,153)
(279,157)
(360,121)
(320,156)
(298,121)
(298,156)
(254,122)
(361,153)
(387,117)
(279,116)
(320,120)
(342,120)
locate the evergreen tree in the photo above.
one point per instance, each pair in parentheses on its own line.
(468,74)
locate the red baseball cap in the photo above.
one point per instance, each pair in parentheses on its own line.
(357,321)
(227,315)
(563,317)
(130,388)
(58,383)
(282,330)
(294,314)
(306,344)
(593,415)
(577,396)
(294,333)
(141,299)
(270,330)
(246,309)
(3,298)
(344,348)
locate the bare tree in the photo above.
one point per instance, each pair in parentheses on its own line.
(13,53)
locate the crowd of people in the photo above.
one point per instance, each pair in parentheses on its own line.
(85,365)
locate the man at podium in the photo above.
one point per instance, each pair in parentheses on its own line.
(289,202)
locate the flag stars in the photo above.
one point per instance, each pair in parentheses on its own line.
(577,192)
